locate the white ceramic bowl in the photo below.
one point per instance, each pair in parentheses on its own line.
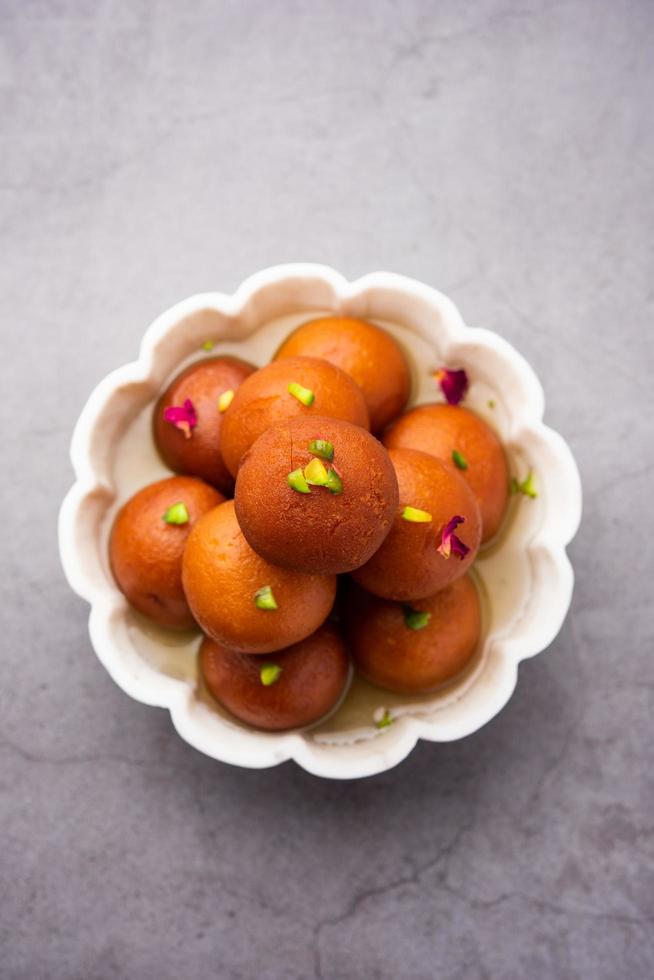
(524,577)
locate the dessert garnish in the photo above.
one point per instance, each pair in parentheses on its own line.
(297,481)
(269,674)
(454,384)
(459,460)
(177,514)
(225,400)
(384,720)
(416,619)
(450,543)
(322,448)
(315,473)
(491,403)
(334,483)
(416,516)
(303,395)
(525,486)
(208,345)
(264,598)
(183,417)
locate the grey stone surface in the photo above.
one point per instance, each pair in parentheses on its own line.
(501,151)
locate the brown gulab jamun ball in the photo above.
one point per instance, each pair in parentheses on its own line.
(147,543)
(425,550)
(290,689)
(366,352)
(444,430)
(240,599)
(413,649)
(196,450)
(316,495)
(317,388)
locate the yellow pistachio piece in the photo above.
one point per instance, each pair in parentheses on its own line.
(315,473)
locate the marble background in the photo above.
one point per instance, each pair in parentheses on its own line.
(499,150)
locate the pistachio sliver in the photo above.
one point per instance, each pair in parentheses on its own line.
(315,473)
(303,395)
(322,448)
(225,400)
(264,598)
(270,674)
(177,514)
(526,486)
(297,481)
(416,619)
(334,483)
(459,460)
(416,516)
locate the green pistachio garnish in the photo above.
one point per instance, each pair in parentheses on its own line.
(297,481)
(416,516)
(416,619)
(264,598)
(315,473)
(208,345)
(459,460)
(385,720)
(525,486)
(334,483)
(491,403)
(225,400)
(303,395)
(177,514)
(322,448)
(269,674)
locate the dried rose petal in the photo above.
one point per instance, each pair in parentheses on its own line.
(450,543)
(454,384)
(183,417)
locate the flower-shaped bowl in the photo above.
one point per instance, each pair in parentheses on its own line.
(524,576)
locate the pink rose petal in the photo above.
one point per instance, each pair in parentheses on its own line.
(451,544)
(454,384)
(183,417)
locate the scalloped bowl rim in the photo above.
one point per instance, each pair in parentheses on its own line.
(259,750)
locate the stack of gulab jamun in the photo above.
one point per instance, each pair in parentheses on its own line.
(291,475)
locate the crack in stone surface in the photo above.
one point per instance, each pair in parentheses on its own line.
(361,897)
(66,760)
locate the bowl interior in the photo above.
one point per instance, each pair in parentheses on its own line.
(503,571)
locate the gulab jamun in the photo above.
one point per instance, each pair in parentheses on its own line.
(460,437)
(435,534)
(295,687)
(316,495)
(239,598)
(147,543)
(367,353)
(297,387)
(417,648)
(188,418)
